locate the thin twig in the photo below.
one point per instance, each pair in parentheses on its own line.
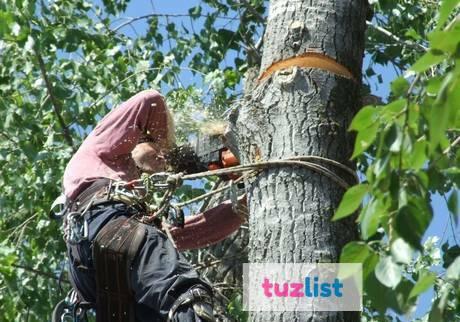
(395,38)
(23,224)
(9,138)
(56,105)
(38,272)
(134,74)
(163,15)
(453,144)
(451,24)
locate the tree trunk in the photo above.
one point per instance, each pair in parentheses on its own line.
(295,112)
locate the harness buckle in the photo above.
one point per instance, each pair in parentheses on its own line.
(77,228)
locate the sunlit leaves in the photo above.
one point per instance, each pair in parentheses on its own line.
(401,251)
(364,118)
(370,217)
(355,252)
(445,10)
(428,60)
(408,150)
(388,272)
(92,68)
(364,139)
(351,201)
(425,281)
(453,206)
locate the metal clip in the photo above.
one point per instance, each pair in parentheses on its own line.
(59,207)
(176,216)
(78,228)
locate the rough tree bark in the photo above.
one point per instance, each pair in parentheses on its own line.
(295,112)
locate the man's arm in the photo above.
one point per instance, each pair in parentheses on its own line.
(106,152)
(209,227)
(119,132)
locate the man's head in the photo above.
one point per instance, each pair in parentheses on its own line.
(149,154)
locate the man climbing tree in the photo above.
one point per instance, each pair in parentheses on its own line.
(120,260)
(301,106)
(66,63)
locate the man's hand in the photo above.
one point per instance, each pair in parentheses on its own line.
(150,157)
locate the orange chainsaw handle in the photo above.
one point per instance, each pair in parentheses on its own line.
(229,159)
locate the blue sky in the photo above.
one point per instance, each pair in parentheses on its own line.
(440,226)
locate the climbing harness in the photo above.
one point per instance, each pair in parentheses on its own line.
(154,193)
(152,197)
(71,309)
(114,251)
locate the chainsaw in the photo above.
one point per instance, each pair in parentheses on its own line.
(209,153)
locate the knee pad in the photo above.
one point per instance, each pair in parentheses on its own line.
(199,299)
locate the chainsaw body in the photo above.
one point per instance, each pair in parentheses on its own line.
(213,154)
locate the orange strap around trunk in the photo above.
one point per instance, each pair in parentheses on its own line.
(309,60)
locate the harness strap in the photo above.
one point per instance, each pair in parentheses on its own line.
(115,248)
(97,190)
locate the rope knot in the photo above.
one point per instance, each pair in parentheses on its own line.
(174,180)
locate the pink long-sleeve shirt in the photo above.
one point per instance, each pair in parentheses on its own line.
(106,152)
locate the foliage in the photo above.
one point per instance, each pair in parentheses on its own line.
(65,63)
(407,150)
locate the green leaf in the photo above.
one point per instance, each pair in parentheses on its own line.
(426,61)
(369,265)
(355,252)
(401,302)
(452,171)
(413,34)
(452,107)
(351,201)
(433,86)
(394,108)
(439,119)
(446,41)
(399,86)
(425,281)
(453,271)
(195,12)
(449,254)
(370,218)
(452,204)
(435,313)
(364,118)
(444,11)
(401,251)
(418,156)
(395,145)
(388,272)
(411,223)
(6,20)
(364,139)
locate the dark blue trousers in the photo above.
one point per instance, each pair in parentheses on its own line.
(159,276)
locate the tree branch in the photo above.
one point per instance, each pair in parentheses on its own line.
(41,273)
(9,138)
(395,38)
(55,103)
(454,143)
(163,15)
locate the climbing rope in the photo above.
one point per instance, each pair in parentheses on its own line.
(170,182)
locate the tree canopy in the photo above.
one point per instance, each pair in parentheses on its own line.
(65,63)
